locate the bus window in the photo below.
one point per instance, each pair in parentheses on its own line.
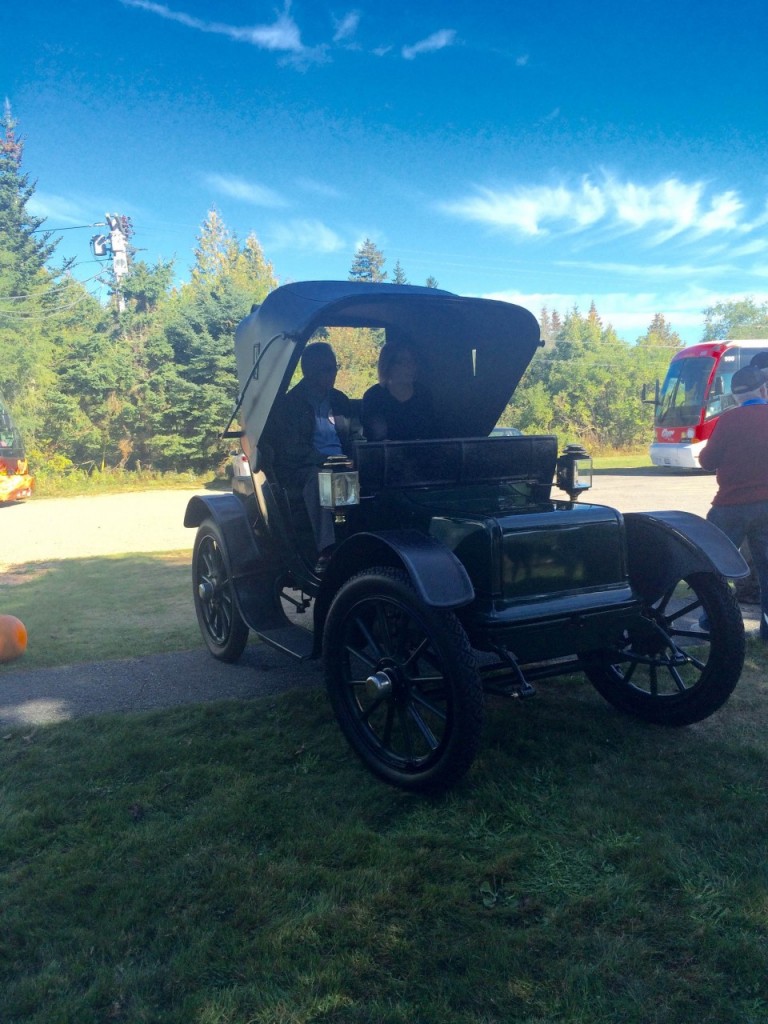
(682,394)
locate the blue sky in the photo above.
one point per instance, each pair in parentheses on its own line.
(549,153)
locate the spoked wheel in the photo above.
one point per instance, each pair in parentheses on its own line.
(682,661)
(403,682)
(223,629)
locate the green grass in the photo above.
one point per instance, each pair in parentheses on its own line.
(233,864)
(623,460)
(100,608)
(112,481)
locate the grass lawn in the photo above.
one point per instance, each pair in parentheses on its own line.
(94,609)
(233,864)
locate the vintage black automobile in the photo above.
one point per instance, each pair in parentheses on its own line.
(457,572)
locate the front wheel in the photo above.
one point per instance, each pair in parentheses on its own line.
(403,682)
(220,622)
(682,660)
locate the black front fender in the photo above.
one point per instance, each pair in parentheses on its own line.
(437,575)
(664,547)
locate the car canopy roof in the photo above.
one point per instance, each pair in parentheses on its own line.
(472,352)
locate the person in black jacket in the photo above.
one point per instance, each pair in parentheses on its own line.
(399,407)
(310,423)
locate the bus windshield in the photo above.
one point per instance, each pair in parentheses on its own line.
(682,394)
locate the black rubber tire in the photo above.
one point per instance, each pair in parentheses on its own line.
(679,671)
(220,622)
(421,730)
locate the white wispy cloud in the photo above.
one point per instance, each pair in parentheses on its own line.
(346,27)
(282,35)
(654,271)
(305,236)
(437,41)
(246,191)
(61,209)
(630,313)
(668,208)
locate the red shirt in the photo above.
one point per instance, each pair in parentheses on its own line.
(738,451)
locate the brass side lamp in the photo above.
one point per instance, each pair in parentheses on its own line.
(339,486)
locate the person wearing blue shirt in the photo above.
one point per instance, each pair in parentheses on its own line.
(310,423)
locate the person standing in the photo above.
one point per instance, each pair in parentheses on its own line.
(737,452)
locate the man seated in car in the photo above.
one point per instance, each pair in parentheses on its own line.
(310,423)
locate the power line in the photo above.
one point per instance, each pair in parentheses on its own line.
(74,227)
(54,287)
(27,317)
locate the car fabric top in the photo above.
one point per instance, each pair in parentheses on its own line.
(472,352)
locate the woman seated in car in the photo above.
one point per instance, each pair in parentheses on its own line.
(399,407)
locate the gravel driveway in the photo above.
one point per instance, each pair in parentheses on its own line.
(59,528)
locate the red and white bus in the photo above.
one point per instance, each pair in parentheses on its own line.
(696,390)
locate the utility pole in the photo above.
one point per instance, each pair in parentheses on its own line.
(115,247)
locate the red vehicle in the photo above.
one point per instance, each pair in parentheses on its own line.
(696,390)
(15,481)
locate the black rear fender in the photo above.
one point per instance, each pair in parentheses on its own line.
(253,575)
(228,512)
(664,547)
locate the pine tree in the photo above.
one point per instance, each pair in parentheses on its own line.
(398,275)
(24,250)
(368,263)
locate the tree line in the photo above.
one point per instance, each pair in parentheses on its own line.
(153,385)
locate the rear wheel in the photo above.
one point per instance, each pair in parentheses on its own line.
(682,661)
(220,622)
(403,682)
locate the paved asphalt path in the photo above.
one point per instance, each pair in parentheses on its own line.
(37,531)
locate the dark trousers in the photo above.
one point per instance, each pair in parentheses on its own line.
(750,522)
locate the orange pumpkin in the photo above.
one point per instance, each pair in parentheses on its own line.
(13,638)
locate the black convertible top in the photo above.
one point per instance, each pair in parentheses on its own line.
(472,351)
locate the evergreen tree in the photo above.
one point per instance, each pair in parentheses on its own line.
(545,325)
(660,336)
(31,299)
(398,274)
(194,401)
(24,250)
(368,263)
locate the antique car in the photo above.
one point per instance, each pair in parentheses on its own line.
(458,572)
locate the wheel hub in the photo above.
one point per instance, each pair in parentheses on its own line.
(378,685)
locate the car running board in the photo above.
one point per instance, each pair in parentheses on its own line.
(293,640)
